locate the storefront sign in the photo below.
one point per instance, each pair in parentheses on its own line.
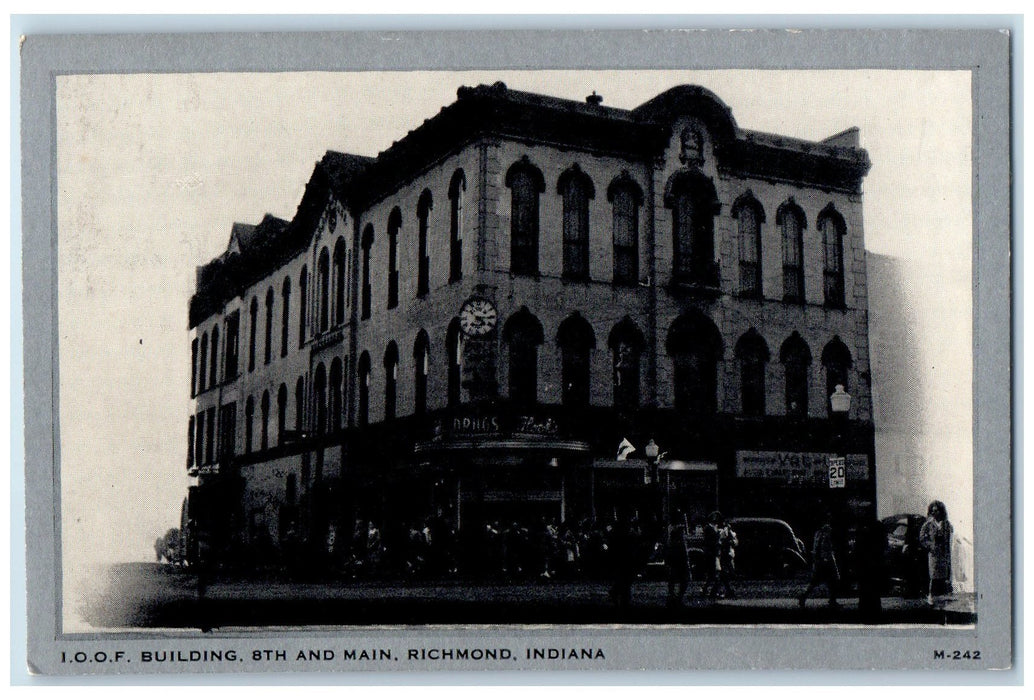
(484,424)
(800,468)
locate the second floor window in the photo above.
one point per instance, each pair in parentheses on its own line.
(454,353)
(421,365)
(213,377)
(576,340)
(752,354)
(796,359)
(364,389)
(626,344)
(391,377)
(203,364)
(303,301)
(522,335)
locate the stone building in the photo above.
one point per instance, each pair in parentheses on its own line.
(470,325)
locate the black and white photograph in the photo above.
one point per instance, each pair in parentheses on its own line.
(359,368)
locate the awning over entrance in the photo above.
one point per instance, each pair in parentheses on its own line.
(674,465)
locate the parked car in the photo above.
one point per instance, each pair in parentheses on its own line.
(768,548)
(905,561)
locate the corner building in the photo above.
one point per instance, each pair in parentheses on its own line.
(650,274)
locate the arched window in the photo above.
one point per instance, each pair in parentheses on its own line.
(199,451)
(203,364)
(749,216)
(831,225)
(252,333)
(626,344)
(193,367)
(213,373)
(836,359)
(696,347)
(190,442)
(269,325)
(752,354)
(421,364)
(457,186)
(366,291)
(339,281)
(391,376)
(265,420)
(299,405)
(364,388)
(394,227)
(281,414)
(522,335)
(249,424)
(335,394)
(526,183)
(796,358)
(319,398)
(791,222)
(576,340)
(303,308)
(576,189)
(454,352)
(233,323)
(423,270)
(323,285)
(626,197)
(285,322)
(694,203)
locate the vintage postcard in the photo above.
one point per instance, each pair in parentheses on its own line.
(405,351)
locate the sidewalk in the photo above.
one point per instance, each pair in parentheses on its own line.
(161,599)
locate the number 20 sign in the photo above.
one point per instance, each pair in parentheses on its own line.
(837,473)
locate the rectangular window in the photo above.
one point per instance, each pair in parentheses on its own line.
(193,368)
(190,442)
(199,440)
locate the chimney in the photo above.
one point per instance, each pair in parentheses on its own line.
(594,99)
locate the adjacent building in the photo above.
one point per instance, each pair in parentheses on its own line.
(478,323)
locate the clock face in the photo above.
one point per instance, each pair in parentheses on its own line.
(478,317)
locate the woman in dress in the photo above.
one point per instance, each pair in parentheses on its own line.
(935,537)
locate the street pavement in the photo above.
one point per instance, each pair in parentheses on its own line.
(149,596)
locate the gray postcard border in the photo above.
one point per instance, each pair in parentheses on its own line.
(984,52)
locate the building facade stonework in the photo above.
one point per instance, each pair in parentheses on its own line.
(655,274)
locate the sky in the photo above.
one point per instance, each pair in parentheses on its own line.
(153,170)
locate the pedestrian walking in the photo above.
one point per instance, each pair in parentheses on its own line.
(824,568)
(712,555)
(935,537)
(622,546)
(727,544)
(870,546)
(676,557)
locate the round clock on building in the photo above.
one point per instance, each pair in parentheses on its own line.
(478,317)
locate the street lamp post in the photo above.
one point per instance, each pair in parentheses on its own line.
(840,406)
(652,452)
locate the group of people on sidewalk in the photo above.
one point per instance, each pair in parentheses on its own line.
(720,542)
(935,538)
